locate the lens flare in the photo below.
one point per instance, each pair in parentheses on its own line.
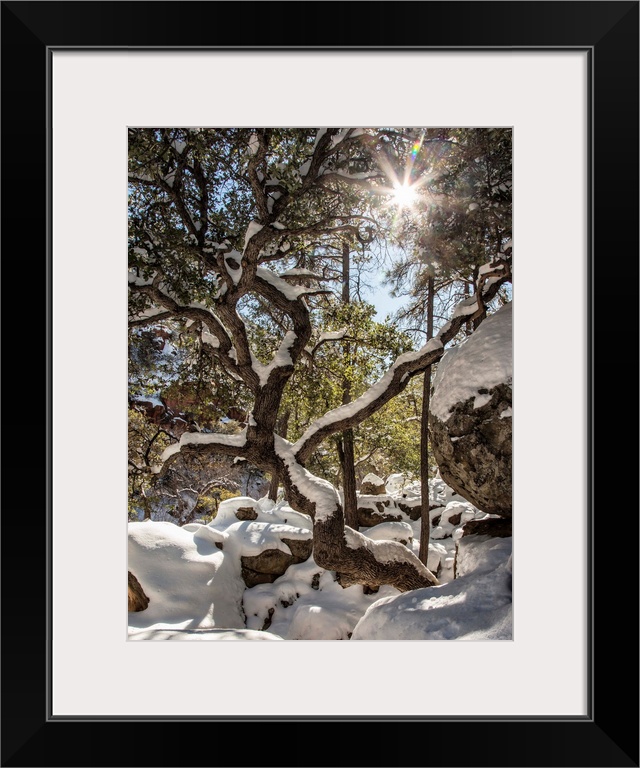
(404,195)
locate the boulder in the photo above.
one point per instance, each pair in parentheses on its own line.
(270,564)
(137,599)
(372,485)
(498,527)
(470,420)
(246,513)
(374,509)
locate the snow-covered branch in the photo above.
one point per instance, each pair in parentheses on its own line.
(199,442)
(405,367)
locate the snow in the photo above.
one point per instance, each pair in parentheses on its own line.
(253,229)
(290,292)
(473,207)
(466,307)
(321,491)
(204,438)
(333,335)
(304,168)
(150,313)
(482,361)
(506,414)
(340,136)
(321,132)
(251,537)
(209,338)
(152,399)
(474,606)
(391,531)
(373,479)
(481,400)
(281,359)
(297,272)
(233,264)
(307,603)
(192,576)
(201,634)
(133,279)
(254,144)
(177,572)
(278,225)
(395,483)
(377,389)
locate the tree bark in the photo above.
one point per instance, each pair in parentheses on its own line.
(283,428)
(425,522)
(347,453)
(481,317)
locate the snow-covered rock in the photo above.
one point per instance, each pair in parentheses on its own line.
(377,508)
(186,577)
(470,420)
(475,606)
(372,485)
(395,483)
(400,531)
(308,603)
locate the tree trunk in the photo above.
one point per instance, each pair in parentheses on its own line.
(283,428)
(481,317)
(425,523)
(347,453)
(347,457)
(468,326)
(355,558)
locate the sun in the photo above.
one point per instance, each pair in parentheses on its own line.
(404,195)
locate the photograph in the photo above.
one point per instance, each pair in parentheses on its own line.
(319,394)
(320,383)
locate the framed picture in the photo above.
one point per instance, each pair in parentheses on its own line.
(564,77)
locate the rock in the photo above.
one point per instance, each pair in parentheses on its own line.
(470,420)
(395,483)
(401,532)
(499,527)
(137,599)
(300,548)
(411,507)
(372,485)
(368,517)
(253,578)
(270,564)
(273,562)
(246,513)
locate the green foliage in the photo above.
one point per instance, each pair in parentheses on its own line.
(209,502)
(192,195)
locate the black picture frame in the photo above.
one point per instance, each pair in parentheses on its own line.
(608,735)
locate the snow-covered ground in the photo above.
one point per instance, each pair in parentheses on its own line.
(193,577)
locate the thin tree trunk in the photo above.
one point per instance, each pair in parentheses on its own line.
(425,523)
(273,486)
(347,453)
(468,327)
(478,320)
(283,427)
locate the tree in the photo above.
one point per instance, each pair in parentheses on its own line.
(220,219)
(459,218)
